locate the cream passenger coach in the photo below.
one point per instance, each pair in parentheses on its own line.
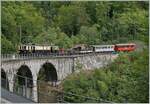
(26,49)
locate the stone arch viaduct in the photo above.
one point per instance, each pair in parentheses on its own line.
(64,65)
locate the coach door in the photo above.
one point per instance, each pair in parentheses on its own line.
(33,49)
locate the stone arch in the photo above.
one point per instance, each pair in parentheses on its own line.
(4,80)
(23,82)
(49,72)
(46,80)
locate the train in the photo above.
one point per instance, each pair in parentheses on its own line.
(114,48)
(48,49)
(38,49)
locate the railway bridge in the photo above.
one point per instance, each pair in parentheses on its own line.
(27,70)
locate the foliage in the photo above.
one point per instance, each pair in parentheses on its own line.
(71,18)
(91,33)
(124,81)
(20,16)
(6,46)
(74,22)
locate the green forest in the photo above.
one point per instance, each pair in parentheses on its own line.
(66,23)
(126,80)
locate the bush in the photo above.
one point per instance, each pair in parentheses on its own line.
(125,80)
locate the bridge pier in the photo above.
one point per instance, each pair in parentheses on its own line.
(11,82)
(34,89)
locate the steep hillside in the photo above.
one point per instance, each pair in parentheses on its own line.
(126,80)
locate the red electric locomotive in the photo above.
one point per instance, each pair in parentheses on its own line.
(125,47)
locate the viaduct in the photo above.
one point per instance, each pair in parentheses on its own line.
(56,69)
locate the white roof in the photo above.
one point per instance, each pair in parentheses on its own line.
(101,45)
(126,44)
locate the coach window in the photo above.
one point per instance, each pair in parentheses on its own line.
(24,47)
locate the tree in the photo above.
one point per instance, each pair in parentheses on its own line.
(135,23)
(63,41)
(91,33)
(6,46)
(79,22)
(71,18)
(123,81)
(22,15)
(48,37)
